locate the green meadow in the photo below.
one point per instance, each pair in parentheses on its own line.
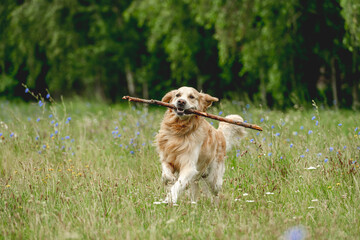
(87,170)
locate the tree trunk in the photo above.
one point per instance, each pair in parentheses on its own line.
(99,89)
(263,88)
(130,79)
(199,83)
(355,82)
(333,83)
(145,89)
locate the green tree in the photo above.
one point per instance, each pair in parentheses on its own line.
(351,14)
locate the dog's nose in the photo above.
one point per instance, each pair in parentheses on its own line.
(181,102)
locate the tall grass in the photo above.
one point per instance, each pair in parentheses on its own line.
(89,171)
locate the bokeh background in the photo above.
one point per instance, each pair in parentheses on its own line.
(278,53)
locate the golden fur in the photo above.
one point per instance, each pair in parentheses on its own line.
(189,147)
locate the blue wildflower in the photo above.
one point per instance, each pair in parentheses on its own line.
(52,122)
(221,112)
(307,150)
(319,154)
(41,103)
(69,118)
(38,119)
(261,120)
(355,129)
(119,135)
(344,147)
(251,140)
(326,160)
(12,134)
(281,157)
(50,116)
(37,138)
(313,118)
(47,96)
(26,90)
(67,137)
(340,124)
(270,144)
(277,134)
(317,122)
(137,133)
(51,135)
(310,132)
(264,139)
(120,145)
(116,128)
(272,126)
(56,131)
(1,134)
(291,145)
(211,123)
(295,233)
(72,140)
(331,149)
(301,127)
(258,133)
(269,154)
(132,152)
(302,155)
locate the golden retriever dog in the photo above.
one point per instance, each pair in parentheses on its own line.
(189,147)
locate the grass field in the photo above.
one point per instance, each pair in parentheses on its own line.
(89,171)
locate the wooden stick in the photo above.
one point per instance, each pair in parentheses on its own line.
(192,111)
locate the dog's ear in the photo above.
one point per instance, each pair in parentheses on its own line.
(207,100)
(169,96)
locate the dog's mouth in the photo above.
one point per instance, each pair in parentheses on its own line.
(180,111)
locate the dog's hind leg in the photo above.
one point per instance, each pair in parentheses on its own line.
(194,191)
(215,178)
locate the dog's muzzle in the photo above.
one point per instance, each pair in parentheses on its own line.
(180,107)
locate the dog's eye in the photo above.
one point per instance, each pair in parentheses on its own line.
(191,97)
(178,95)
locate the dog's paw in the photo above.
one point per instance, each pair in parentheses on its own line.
(168,178)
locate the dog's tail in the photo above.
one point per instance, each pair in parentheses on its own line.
(232,133)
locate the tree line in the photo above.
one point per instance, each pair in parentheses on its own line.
(279,53)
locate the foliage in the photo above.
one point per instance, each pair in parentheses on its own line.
(279,53)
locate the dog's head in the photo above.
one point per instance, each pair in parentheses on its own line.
(188,98)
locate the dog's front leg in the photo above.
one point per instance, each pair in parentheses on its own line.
(168,176)
(186,177)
